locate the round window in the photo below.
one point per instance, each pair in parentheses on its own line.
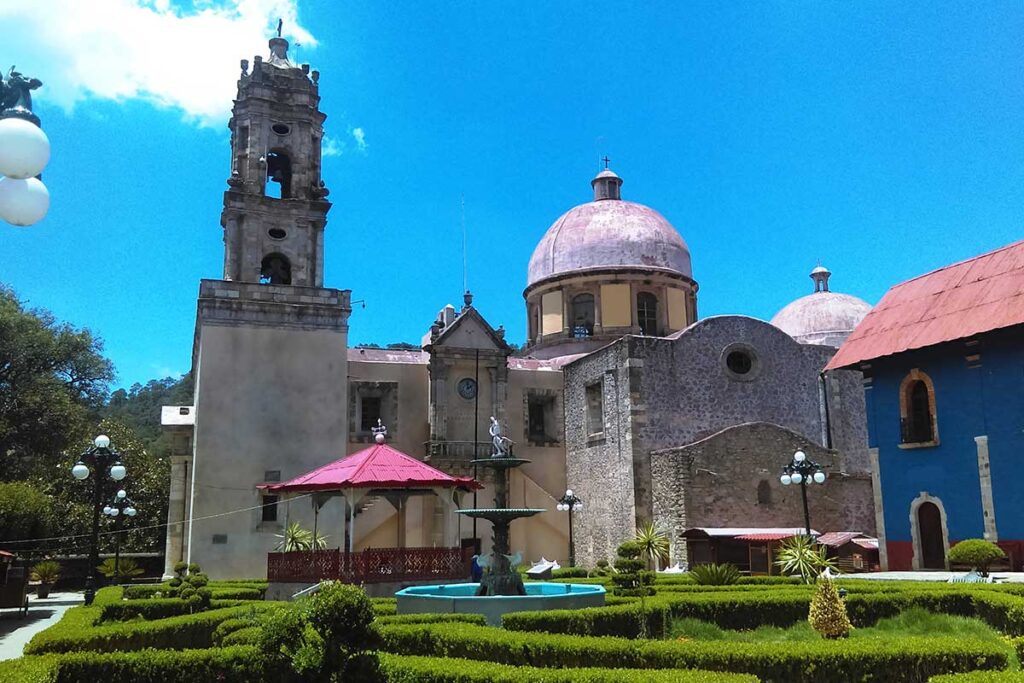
(467,388)
(280,129)
(739,362)
(277,233)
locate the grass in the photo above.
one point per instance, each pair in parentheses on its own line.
(913,622)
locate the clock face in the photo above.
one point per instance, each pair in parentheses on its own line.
(467,388)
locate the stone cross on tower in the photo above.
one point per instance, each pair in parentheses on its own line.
(606,160)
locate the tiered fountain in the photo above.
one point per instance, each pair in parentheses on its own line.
(501,589)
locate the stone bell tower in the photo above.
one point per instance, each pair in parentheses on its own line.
(269,356)
(275,209)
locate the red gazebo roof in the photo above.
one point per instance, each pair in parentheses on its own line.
(378,467)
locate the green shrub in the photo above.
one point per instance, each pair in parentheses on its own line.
(329,635)
(47,571)
(980,677)
(154,608)
(570,573)
(632,578)
(402,669)
(801,556)
(477,619)
(223,665)
(384,606)
(977,553)
(25,512)
(715,574)
(29,669)
(127,568)
(626,621)
(903,660)
(250,635)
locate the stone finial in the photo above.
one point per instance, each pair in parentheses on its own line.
(380,432)
(467,300)
(245,68)
(315,75)
(500,331)
(279,52)
(820,275)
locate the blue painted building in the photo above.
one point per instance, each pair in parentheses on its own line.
(943,363)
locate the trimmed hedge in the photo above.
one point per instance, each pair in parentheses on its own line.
(626,621)
(222,590)
(250,635)
(401,669)
(981,677)
(77,632)
(29,669)
(477,619)
(229,665)
(903,660)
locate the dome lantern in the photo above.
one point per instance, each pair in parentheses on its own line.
(820,275)
(823,317)
(606,184)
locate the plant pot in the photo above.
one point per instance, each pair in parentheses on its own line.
(43,590)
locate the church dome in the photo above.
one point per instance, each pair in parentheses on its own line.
(609,233)
(823,317)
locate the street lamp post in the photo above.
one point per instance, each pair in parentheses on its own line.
(101,461)
(24,153)
(803,472)
(119,508)
(570,503)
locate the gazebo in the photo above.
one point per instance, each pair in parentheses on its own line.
(377,471)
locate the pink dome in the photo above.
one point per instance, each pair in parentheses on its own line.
(823,317)
(608,234)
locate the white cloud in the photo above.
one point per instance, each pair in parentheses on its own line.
(330,147)
(360,137)
(144,49)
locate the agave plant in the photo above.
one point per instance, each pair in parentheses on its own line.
(801,556)
(295,538)
(715,574)
(653,543)
(47,571)
(127,568)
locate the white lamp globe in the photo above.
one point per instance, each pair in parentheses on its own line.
(786,479)
(107,510)
(819,477)
(799,456)
(578,506)
(102,441)
(122,494)
(24,149)
(560,507)
(80,471)
(118,472)
(114,512)
(129,511)
(797,478)
(23,202)
(568,493)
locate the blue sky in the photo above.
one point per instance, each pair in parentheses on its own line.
(881,138)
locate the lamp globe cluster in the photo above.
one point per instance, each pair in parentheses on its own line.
(802,471)
(24,153)
(569,502)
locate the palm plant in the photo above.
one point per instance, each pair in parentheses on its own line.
(127,568)
(801,556)
(653,543)
(715,574)
(295,538)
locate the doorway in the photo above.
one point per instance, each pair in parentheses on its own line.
(929,529)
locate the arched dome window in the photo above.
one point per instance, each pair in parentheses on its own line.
(275,269)
(647,313)
(583,315)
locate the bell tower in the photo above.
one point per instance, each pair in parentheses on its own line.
(275,208)
(270,350)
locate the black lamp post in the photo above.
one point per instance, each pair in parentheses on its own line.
(101,461)
(570,503)
(119,508)
(803,472)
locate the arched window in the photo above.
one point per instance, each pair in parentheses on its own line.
(647,313)
(275,270)
(764,493)
(279,175)
(917,409)
(583,315)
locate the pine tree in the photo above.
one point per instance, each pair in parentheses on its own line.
(828,612)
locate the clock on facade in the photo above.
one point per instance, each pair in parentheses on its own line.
(467,388)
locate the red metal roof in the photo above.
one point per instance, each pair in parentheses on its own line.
(770,536)
(378,467)
(955,302)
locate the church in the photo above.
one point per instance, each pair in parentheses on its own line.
(621,393)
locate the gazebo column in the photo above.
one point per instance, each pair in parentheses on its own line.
(445,499)
(352,497)
(399,500)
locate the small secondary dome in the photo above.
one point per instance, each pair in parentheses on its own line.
(609,233)
(823,317)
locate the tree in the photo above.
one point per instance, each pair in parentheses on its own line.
(653,543)
(52,379)
(828,612)
(25,512)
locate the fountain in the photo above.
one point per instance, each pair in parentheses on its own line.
(501,589)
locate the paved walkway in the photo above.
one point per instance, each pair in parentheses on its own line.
(1000,577)
(16,630)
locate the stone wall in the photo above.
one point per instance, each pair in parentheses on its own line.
(731,479)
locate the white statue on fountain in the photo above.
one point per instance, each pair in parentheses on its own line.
(502,444)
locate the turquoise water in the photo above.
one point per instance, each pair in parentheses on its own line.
(468,590)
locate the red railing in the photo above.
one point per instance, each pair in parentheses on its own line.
(376,565)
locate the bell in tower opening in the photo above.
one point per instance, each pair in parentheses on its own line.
(275,207)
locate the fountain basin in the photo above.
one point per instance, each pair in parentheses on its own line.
(461,598)
(501,514)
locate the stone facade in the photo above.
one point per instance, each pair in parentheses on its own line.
(731,479)
(671,392)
